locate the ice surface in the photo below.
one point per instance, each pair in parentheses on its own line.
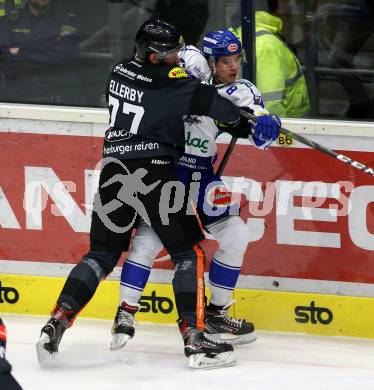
(154,360)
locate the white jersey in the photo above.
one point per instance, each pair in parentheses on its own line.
(195,63)
(201,131)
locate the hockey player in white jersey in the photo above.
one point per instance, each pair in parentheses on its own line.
(216,210)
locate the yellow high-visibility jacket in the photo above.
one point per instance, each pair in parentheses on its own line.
(2,6)
(279,75)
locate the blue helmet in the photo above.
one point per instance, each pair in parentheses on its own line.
(221,43)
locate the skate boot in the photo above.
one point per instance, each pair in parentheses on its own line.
(222,327)
(202,351)
(123,327)
(51,335)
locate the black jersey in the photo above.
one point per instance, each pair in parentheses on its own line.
(45,39)
(147,104)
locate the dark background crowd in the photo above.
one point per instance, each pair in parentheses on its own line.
(59,52)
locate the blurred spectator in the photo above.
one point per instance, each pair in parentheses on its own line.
(355,26)
(7,381)
(188,16)
(17,3)
(37,43)
(279,75)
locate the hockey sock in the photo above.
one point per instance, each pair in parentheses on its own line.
(222,278)
(188,285)
(82,283)
(232,236)
(134,277)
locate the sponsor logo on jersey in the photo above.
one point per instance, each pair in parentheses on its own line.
(201,144)
(232,47)
(177,73)
(144,78)
(120,69)
(160,162)
(313,314)
(190,160)
(8,294)
(199,73)
(219,196)
(191,119)
(115,135)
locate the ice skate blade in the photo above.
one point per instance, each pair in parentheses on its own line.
(202,362)
(119,341)
(45,357)
(233,339)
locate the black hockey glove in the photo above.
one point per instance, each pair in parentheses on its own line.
(242,128)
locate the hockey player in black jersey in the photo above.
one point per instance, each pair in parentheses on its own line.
(219,65)
(148,96)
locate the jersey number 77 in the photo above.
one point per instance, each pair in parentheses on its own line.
(127,109)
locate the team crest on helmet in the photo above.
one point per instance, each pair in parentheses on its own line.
(233,47)
(221,43)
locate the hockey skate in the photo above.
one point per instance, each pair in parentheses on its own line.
(50,336)
(123,328)
(222,327)
(202,351)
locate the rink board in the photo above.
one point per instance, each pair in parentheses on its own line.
(304,244)
(45,204)
(329,315)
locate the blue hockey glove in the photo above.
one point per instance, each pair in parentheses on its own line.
(267,129)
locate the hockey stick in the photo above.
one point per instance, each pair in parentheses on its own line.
(341,157)
(163,258)
(226,156)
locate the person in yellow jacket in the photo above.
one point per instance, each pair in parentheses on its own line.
(2,8)
(279,75)
(17,3)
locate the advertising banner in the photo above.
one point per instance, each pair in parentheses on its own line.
(310,220)
(308,215)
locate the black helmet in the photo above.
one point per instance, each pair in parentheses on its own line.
(157,36)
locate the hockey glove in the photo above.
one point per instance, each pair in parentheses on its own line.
(242,128)
(267,129)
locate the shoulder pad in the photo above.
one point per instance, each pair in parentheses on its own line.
(178,73)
